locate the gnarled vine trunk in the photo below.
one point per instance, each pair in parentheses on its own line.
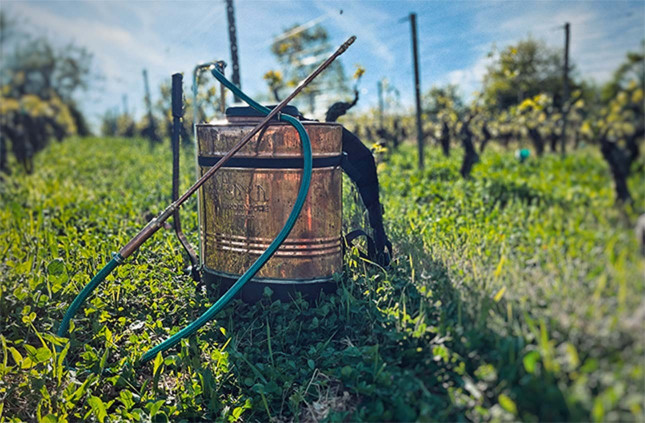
(537,140)
(470,155)
(620,161)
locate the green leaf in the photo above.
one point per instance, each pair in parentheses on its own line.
(160,417)
(42,355)
(57,271)
(56,340)
(127,399)
(499,268)
(104,358)
(29,318)
(598,411)
(49,418)
(237,413)
(156,365)
(31,350)
(572,353)
(507,404)
(17,357)
(154,407)
(530,361)
(499,294)
(346,371)
(98,407)
(108,334)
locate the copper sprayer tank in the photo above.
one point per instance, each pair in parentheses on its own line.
(244,206)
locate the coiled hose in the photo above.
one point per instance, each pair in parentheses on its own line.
(255,267)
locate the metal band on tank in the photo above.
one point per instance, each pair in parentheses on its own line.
(270,162)
(271,280)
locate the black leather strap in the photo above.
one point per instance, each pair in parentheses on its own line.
(358,162)
(382,259)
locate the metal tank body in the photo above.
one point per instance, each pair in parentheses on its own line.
(244,206)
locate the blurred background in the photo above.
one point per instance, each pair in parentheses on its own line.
(102,63)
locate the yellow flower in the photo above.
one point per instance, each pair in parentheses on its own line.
(378,148)
(9,105)
(282,48)
(273,77)
(359,72)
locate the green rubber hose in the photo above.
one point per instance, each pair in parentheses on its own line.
(275,244)
(80,298)
(249,274)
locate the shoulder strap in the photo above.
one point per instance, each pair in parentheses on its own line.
(358,162)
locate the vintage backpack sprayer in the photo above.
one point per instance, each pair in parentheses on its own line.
(284,170)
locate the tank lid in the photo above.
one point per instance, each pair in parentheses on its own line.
(251,112)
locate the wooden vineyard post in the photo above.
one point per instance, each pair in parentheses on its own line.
(232,35)
(417,86)
(565,94)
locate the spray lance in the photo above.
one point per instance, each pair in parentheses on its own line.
(156,223)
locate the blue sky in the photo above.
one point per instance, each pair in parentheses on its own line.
(454,38)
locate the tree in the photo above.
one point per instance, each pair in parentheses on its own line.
(390,128)
(538,117)
(443,105)
(439,98)
(299,52)
(276,83)
(504,128)
(523,71)
(620,125)
(631,70)
(115,124)
(38,85)
(480,123)
(28,123)
(47,71)
(466,137)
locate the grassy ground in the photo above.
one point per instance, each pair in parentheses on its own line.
(515,295)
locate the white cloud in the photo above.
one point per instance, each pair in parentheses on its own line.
(93,33)
(121,51)
(598,43)
(469,79)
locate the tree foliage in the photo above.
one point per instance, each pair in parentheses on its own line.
(115,124)
(299,52)
(442,106)
(522,71)
(37,102)
(629,72)
(619,128)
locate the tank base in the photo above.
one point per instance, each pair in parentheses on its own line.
(253,290)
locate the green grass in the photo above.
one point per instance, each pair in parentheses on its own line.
(517,294)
